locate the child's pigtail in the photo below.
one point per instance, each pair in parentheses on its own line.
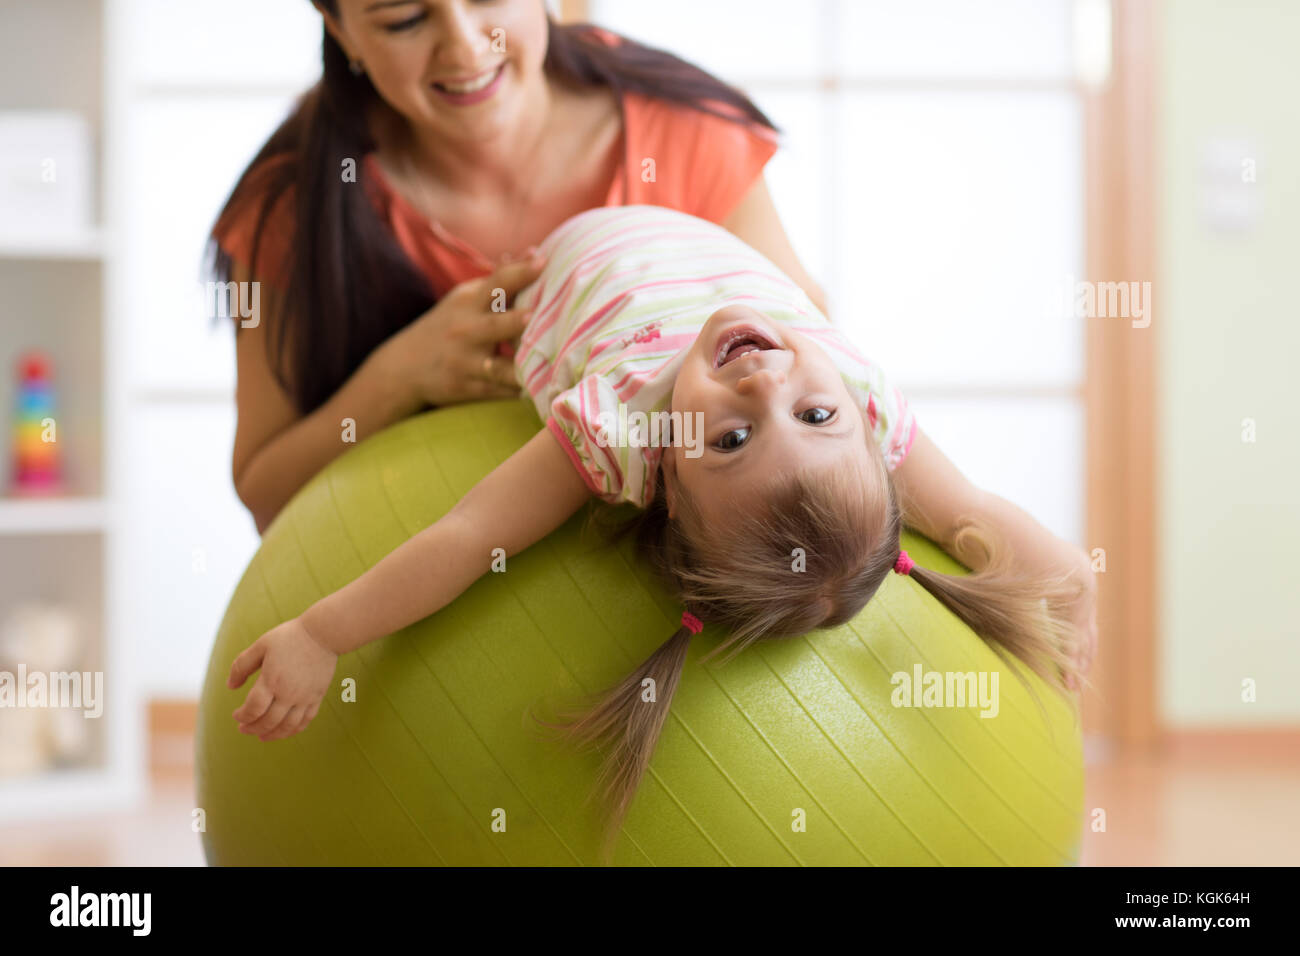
(627,720)
(1025,617)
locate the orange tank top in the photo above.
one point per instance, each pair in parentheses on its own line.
(703,165)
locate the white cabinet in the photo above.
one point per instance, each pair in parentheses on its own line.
(57,549)
(149,540)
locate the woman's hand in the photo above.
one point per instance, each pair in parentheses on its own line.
(449,354)
(296,673)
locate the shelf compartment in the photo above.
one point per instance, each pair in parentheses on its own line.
(54,515)
(86,246)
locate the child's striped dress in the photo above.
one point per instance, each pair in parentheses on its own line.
(624,294)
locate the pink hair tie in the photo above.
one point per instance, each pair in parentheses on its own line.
(691,622)
(904,564)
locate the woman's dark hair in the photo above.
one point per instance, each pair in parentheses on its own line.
(347,285)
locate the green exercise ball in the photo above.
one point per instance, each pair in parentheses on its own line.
(792,753)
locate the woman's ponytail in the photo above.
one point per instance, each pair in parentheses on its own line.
(345,285)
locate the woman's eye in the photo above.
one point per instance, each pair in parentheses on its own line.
(405,24)
(817,415)
(732,440)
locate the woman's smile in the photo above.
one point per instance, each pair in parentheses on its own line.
(476,89)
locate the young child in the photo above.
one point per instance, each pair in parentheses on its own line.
(803,445)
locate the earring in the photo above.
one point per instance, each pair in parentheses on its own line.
(356,67)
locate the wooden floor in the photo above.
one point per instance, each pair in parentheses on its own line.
(1216,809)
(1224,805)
(157,834)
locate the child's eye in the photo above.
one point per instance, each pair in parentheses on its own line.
(732,440)
(817,415)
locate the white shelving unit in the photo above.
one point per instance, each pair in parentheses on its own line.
(60,294)
(82,247)
(151,538)
(63,515)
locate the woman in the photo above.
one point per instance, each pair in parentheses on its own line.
(388,218)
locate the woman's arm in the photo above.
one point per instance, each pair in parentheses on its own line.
(522,501)
(444,356)
(755,220)
(277,451)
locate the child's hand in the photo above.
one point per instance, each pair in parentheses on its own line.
(296,672)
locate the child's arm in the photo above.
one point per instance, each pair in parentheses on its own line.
(525,498)
(937,500)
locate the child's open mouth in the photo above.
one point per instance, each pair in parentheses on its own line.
(738,342)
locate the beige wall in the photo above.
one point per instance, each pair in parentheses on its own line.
(1227,316)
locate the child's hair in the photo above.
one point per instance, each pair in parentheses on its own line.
(742,577)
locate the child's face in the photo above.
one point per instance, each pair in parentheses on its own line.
(772,400)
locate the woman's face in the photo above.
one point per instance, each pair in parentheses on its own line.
(465,71)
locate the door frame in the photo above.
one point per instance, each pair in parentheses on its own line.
(1120,386)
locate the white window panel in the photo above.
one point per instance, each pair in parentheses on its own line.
(946,38)
(959,220)
(185,156)
(797,176)
(1029,451)
(189,542)
(224,43)
(733,39)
